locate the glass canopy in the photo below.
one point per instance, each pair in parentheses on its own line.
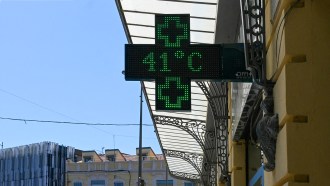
(181,134)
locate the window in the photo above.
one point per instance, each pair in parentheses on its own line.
(77,184)
(189,184)
(118,183)
(112,158)
(163,183)
(144,156)
(88,159)
(98,183)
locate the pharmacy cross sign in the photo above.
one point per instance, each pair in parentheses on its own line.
(173,62)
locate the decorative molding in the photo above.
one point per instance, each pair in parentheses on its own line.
(267,128)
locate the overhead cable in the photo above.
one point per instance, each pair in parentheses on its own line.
(72,123)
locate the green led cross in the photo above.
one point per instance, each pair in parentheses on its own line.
(176,84)
(170,31)
(173,62)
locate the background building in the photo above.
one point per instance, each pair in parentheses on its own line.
(119,169)
(50,164)
(39,164)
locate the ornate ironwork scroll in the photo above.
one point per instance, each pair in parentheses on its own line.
(217,95)
(194,159)
(186,176)
(195,128)
(213,174)
(253,17)
(252,101)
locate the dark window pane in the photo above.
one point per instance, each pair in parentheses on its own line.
(77,184)
(98,182)
(118,184)
(189,184)
(163,183)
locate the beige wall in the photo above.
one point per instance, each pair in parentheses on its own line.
(95,157)
(301,70)
(301,93)
(113,171)
(116,153)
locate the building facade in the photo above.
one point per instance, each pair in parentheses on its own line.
(50,164)
(114,168)
(39,164)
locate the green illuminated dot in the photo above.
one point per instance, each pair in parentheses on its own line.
(149,59)
(165,63)
(179,99)
(179,54)
(177,42)
(190,61)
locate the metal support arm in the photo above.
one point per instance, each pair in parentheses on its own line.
(253,18)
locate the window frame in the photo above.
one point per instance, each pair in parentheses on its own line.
(77,183)
(163,182)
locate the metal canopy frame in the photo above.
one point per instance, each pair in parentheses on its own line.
(189,146)
(217,95)
(253,17)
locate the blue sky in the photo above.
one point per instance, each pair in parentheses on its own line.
(62,60)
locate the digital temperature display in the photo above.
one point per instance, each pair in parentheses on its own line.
(173,62)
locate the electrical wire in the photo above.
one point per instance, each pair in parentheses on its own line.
(50,110)
(46,108)
(73,123)
(36,104)
(277,51)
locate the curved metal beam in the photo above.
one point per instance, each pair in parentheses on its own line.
(194,159)
(186,176)
(195,128)
(252,102)
(216,94)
